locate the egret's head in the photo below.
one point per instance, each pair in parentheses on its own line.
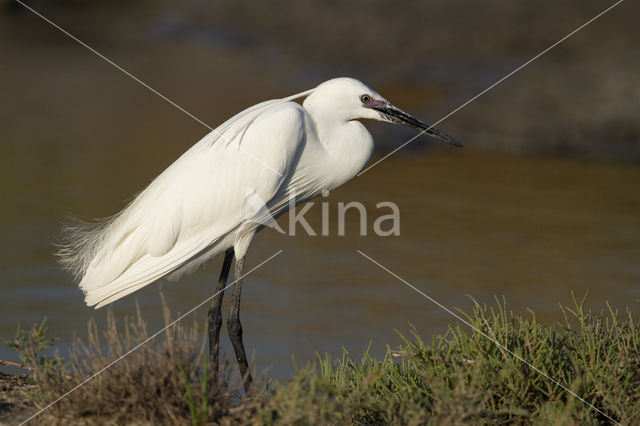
(350,99)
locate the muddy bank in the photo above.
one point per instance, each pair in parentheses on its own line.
(14,404)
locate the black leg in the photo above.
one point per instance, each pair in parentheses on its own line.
(215,320)
(235,328)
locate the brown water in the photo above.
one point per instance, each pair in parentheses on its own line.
(532,230)
(77,136)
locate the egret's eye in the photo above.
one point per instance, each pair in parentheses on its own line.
(365,99)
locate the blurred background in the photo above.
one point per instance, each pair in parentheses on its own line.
(543,200)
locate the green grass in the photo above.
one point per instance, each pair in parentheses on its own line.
(460,377)
(464,377)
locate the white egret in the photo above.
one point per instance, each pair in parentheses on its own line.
(198,207)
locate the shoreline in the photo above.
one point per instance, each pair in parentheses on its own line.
(14,405)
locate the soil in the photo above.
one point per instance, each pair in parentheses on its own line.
(14,403)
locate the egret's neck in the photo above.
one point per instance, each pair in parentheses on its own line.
(349,146)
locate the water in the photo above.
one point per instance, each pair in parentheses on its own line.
(472,224)
(77,136)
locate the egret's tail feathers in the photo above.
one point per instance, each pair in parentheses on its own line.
(144,271)
(117,289)
(79,243)
(111,258)
(88,250)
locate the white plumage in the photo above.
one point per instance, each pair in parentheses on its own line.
(197,208)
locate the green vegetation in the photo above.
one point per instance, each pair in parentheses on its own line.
(461,377)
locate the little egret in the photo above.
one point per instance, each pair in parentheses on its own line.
(278,150)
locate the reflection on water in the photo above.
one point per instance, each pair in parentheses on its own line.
(471,224)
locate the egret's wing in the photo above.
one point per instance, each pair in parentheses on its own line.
(199,199)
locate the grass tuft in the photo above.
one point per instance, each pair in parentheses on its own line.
(463,377)
(162,382)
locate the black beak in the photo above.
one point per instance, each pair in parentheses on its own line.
(396,115)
